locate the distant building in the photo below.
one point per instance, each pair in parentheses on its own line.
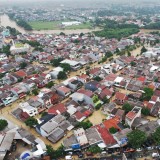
(71,23)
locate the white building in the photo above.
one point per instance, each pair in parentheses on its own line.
(71,23)
(31,111)
(74,64)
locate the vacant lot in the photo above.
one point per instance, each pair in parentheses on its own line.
(54,25)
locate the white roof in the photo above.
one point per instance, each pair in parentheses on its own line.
(67,81)
(71,109)
(118,79)
(154,68)
(58,69)
(71,62)
(101,145)
(78,96)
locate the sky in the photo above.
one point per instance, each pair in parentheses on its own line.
(74,2)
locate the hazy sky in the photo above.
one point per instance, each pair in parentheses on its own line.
(74,2)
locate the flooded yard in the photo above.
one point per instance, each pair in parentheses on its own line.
(97,117)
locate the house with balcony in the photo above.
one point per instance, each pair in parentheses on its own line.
(132,115)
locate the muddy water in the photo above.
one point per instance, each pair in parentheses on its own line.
(5,21)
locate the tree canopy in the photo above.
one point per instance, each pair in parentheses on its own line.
(35,91)
(127,107)
(113,29)
(24,24)
(148,93)
(62,75)
(112,130)
(56,62)
(95,149)
(31,121)
(145,111)
(85,124)
(66,67)
(143,50)
(55,154)
(156,136)
(3,124)
(136,138)
(23,65)
(50,84)
(97,78)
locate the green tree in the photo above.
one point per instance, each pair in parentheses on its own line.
(62,75)
(156,136)
(23,24)
(85,124)
(50,84)
(55,154)
(133,63)
(143,50)
(129,54)
(98,106)
(56,62)
(106,100)
(23,65)
(145,111)
(148,93)
(127,107)
(94,149)
(62,34)
(3,124)
(6,49)
(97,78)
(136,138)
(31,121)
(112,130)
(35,91)
(66,67)
(44,114)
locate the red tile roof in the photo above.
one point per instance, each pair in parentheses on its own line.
(57,109)
(120,96)
(64,89)
(131,115)
(21,73)
(150,105)
(79,115)
(94,71)
(111,77)
(106,92)
(83,76)
(87,113)
(85,92)
(154,98)
(113,122)
(142,78)
(106,136)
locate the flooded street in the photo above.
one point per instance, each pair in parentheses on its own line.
(5,21)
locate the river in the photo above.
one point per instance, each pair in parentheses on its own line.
(6,21)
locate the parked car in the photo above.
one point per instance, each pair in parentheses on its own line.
(79,154)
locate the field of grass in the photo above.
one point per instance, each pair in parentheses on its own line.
(40,25)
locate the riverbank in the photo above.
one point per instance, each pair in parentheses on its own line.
(6,21)
(149,30)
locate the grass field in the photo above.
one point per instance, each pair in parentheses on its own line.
(40,25)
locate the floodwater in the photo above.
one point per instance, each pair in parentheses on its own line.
(5,21)
(97,117)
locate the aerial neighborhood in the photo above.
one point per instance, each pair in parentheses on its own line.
(74,96)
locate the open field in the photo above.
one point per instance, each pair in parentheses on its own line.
(54,25)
